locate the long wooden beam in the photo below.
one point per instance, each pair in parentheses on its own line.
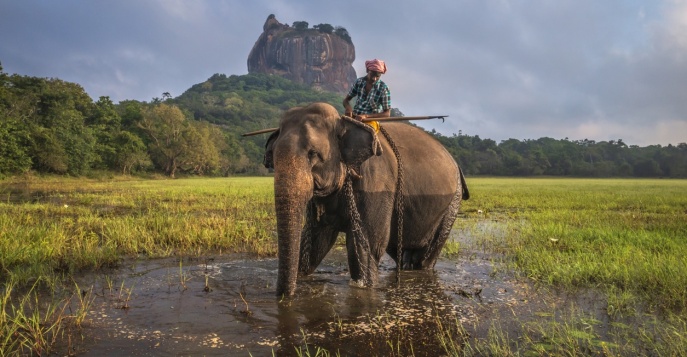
(366,120)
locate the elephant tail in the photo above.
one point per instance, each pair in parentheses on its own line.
(463,184)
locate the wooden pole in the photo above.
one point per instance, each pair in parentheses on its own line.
(366,120)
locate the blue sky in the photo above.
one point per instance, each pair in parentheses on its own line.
(582,69)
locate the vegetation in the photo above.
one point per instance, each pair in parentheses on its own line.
(623,235)
(324,28)
(65,225)
(581,158)
(52,126)
(622,238)
(301,26)
(49,126)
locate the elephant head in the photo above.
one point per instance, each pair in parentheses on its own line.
(310,154)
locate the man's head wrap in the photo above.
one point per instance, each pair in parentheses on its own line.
(376,65)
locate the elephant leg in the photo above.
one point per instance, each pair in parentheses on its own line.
(363,260)
(433,251)
(412,259)
(315,244)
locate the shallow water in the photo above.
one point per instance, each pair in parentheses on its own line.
(227,306)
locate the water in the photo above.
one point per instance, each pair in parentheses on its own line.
(227,306)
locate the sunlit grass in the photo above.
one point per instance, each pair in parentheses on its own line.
(624,238)
(620,235)
(71,224)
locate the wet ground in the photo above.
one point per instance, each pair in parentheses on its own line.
(227,306)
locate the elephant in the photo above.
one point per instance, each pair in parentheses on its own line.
(334,174)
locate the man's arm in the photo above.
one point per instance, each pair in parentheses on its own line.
(348,111)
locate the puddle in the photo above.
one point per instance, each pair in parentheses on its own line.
(227,306)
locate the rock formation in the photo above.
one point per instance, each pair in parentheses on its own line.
(322,60)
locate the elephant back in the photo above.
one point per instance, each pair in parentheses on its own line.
(427,166)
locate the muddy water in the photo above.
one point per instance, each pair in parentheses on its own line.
(227,306)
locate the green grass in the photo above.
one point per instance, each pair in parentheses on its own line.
(71,224)
(624,238)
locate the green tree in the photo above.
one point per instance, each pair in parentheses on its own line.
(169,133)
(53,113)
(324,28)
(106,125)
(343,33)
(131,153)
(203,157)
(647,168)
(14,135)
(64,107)
(300,25)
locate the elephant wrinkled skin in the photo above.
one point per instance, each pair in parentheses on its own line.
(311,154)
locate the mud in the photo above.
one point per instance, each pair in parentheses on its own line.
(226,305)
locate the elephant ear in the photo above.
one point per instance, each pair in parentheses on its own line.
(358,141)
(268,159)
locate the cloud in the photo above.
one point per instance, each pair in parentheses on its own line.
(601,70)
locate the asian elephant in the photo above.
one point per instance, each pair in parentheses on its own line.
(318,156)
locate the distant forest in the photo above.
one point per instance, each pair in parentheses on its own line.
(51,126)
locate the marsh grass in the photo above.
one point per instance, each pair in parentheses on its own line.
(51,228)
(69,224)
(31,324)
(624,238)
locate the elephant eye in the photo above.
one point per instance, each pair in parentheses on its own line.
(314,155)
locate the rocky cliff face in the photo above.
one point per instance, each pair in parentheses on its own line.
(307,56)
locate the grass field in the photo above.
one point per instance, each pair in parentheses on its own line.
(624,238)
(629,236)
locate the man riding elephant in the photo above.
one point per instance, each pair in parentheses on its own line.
(373,95)
(402,200)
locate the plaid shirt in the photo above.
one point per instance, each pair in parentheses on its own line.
(376,101)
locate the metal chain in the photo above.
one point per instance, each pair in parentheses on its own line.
(398,203)
(359,241)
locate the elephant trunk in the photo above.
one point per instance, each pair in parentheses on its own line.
(293,187)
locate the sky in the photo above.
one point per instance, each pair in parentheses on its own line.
(500,69)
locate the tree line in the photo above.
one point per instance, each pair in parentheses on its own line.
(564,157)
(51,126)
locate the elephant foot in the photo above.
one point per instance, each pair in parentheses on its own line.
(360,283)
(412,259)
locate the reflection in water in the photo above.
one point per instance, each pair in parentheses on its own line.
(172,312)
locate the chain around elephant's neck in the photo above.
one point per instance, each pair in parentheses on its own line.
(398,203)
(360,243)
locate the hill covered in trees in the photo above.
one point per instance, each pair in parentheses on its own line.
(51,126)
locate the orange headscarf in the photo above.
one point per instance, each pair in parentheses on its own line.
(376,65)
